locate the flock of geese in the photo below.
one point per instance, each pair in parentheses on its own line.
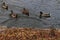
(24,11)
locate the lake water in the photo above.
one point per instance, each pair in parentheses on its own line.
(34,7)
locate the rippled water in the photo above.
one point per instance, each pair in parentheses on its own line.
(34,6)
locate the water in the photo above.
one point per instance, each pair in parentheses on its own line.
(34,6)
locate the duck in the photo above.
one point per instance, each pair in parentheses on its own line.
(4,6)
(13,15)
(25,11)
(44,14)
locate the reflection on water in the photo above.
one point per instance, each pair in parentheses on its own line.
(34,6)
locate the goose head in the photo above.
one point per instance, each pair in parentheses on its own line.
(3,3)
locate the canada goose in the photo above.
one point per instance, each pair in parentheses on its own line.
(44,15)
(4,6)
(13,15)
(25,11)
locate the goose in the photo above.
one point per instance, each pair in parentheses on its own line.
(44,14)
(4,6)
(25,11)
(13,15)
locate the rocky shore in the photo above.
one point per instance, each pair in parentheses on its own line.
(28,34)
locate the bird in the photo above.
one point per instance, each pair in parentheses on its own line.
(25,11)
(44,14)
(4,6)
(13,15)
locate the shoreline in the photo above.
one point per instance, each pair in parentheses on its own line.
(48,28)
